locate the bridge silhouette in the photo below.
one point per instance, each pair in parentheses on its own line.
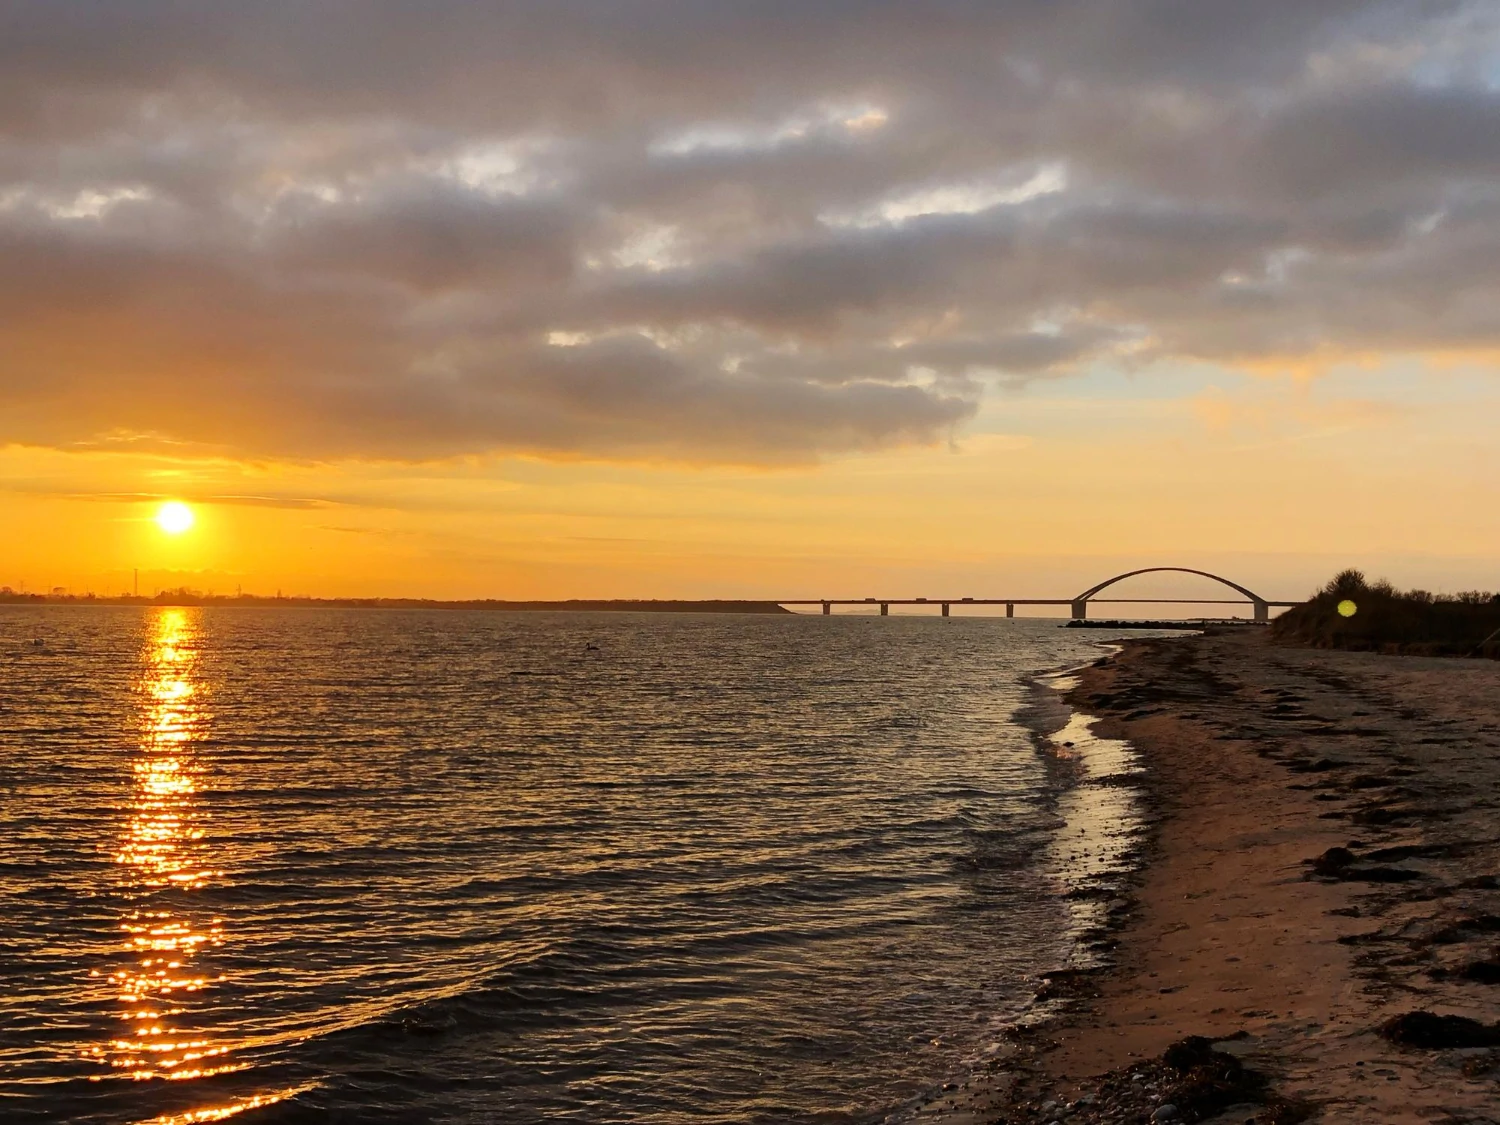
(1078,605)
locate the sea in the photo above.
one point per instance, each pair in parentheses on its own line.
(321,865)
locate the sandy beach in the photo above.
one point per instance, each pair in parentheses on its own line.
(1325,858)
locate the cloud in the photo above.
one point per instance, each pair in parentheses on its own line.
(712,232)
(66,490)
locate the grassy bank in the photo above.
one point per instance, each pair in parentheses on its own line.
(1351,613)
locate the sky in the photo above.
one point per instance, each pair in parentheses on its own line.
(658,298)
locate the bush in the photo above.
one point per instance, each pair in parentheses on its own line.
(1347,583)
(1388,620)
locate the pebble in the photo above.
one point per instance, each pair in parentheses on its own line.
(1166,1112)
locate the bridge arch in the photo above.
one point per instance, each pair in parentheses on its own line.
(1081,602)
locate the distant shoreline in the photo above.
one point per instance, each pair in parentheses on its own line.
(254,601)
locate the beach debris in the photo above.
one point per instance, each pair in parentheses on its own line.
(1206,1081)
(1344,865)
(1479,1064)
(1466,929)
(1332,862)
(1322,765)
(1376,815)
(1481,972)
(1414,851)
(1190,1081)
(1433,1032)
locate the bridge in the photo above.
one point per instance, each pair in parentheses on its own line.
(1078,605)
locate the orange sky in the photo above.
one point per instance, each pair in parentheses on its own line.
(662,298)
(1275,484)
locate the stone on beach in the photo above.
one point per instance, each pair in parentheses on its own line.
(1436,1032)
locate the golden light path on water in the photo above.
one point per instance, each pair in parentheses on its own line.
(165,858)
(161,850)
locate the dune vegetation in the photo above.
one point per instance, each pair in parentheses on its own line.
(1352,613)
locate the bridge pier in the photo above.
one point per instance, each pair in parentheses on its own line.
(885,609)
(1080,609)
(827,608)
(1010,609)
(1262,611)
(945,609)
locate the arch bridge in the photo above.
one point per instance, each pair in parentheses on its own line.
(1078,605)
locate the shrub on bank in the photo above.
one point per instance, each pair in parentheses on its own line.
(1351,613)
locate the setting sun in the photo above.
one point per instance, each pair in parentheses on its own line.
(174,517)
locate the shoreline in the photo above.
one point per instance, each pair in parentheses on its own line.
(1107,822)
(1260,760)
(1105,825)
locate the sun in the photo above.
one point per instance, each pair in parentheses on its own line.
(174,517)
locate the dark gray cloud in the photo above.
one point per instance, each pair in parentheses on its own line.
(746,231)
(1375,139)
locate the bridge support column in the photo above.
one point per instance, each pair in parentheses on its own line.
(1010,609)
(827,608)
(1262,611)
(1080,610)
(945,609)
(885,609)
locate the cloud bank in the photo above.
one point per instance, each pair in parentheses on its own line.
(753,231)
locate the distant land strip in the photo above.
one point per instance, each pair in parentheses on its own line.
(606,605)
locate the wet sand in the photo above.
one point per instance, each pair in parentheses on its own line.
(1261,759)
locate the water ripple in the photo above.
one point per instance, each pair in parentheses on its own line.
(310,865)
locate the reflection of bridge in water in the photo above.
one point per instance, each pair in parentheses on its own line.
(1078,605)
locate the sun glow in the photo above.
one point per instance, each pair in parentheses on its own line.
(174,517)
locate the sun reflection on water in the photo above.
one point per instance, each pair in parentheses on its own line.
(164,859)
(223,1112)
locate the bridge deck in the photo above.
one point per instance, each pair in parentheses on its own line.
(1023,601)
(1079,603)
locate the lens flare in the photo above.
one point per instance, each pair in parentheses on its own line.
(174,517)
(1347,608)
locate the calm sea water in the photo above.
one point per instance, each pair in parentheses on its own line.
(358,866)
